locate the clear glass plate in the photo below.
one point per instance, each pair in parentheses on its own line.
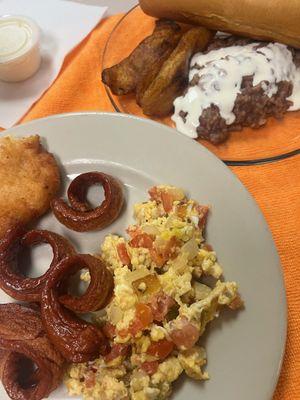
(279,139)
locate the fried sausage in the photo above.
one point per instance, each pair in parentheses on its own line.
(22,337)
(12,281)
(77,340)
(79,216)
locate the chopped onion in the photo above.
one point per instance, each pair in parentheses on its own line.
(150,229)
(170,221)
(191,248)
(201,290)
(137,274)
(190,207)
(159,243)
(152,286)
(177,194)
(195,219)
(180,262)
(115,314)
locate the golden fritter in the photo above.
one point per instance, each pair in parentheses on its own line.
(123,78)
(157,90)
(29,179)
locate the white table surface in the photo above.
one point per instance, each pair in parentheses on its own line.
(114,6)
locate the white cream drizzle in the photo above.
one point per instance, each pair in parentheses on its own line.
(221,76)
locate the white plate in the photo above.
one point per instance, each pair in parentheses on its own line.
(244,348)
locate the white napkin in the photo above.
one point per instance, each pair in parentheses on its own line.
(63,25)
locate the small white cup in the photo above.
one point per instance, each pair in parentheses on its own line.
(20,56)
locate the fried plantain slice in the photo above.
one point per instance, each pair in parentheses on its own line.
(159,87)
(122,78)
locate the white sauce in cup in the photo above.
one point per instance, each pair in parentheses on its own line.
(19,48)
(221,74)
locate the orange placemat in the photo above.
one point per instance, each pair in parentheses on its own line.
(275,186)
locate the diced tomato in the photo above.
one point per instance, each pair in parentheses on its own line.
(123,333)
(135,327)
(150,367)
(160,305)
(167,201)
(143,318)
(170,249)
(117,350)
(236,303)
(123,254)
(208,247)
(203,214)
(166,196)
(133,230)
(160,349)
(90,380)
(154,194)
(144,314)
(162,196)
(109,330)
(185,336)
(142,240)
(181,210)
(162,255)
(157,258)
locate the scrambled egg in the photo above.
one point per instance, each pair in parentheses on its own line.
(145,212)
(176,284)
(157,333)
(168,371)
(95,381)
(160,307)
(192,361)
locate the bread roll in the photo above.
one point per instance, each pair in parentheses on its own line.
(272,20)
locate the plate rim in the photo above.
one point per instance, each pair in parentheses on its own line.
(250,198)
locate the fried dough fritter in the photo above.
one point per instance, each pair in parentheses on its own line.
(29,179)
(157,90)
(123,78)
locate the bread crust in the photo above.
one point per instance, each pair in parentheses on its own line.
(270,20)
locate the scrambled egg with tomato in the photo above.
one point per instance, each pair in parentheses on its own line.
(160,306)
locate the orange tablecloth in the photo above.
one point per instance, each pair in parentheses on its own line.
(275,186)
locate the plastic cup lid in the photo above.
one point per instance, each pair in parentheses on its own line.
(18,34)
